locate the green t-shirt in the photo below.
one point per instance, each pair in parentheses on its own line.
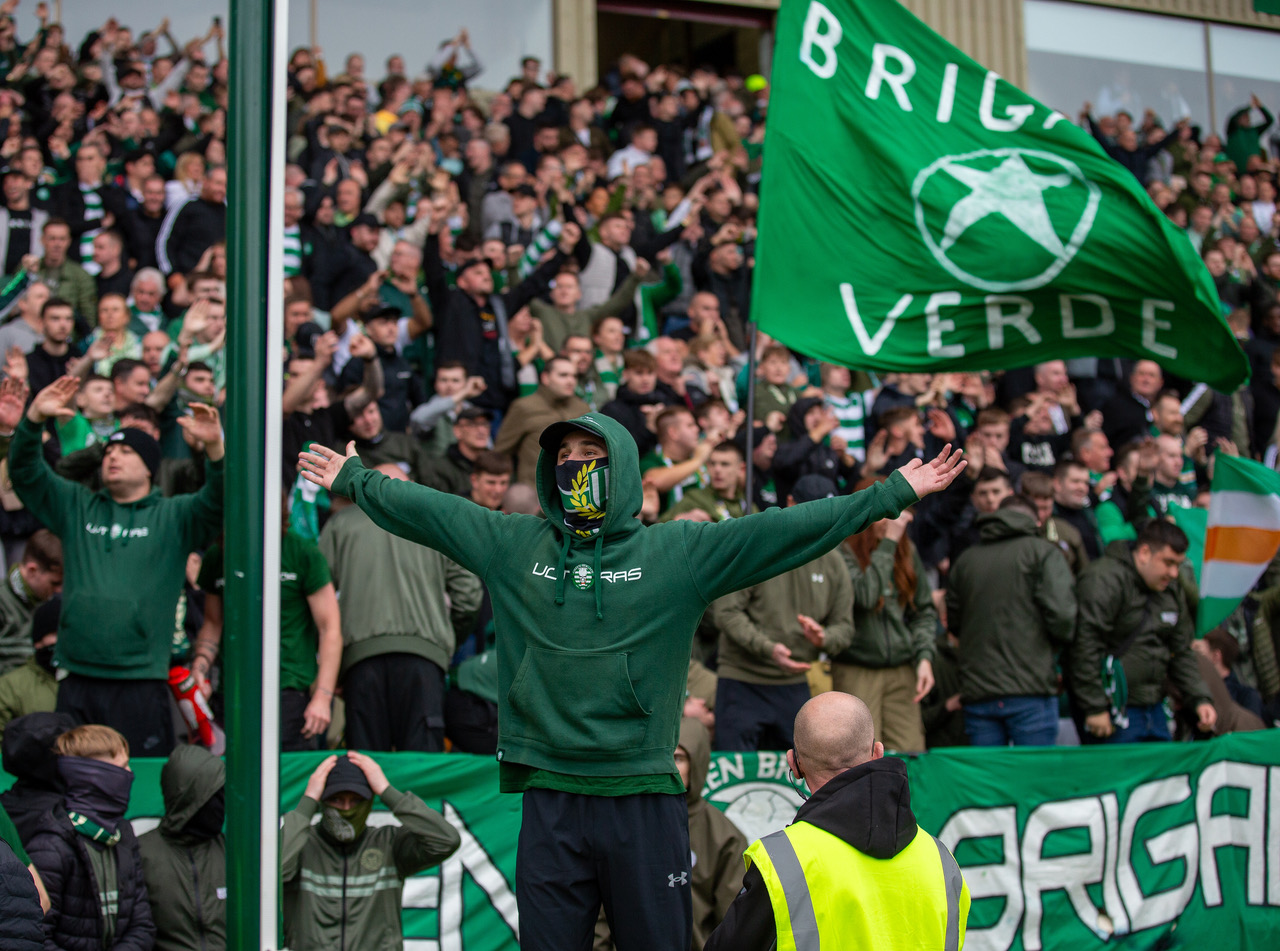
(79,433)
(303,572)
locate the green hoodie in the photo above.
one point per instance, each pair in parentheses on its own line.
(592,673)
(187,875)
(110,628)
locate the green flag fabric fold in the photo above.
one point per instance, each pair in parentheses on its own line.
(920,213)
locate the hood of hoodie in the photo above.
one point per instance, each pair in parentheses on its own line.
(189,780)
(625,495)
(28,748)
(1006,523)
(868,807)
(795,415)
(696,742)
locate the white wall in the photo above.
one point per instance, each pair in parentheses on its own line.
(502,31)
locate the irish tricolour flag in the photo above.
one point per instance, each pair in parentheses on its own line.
(1243,535)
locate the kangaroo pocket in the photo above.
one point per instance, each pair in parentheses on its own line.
(577,704)
(106,632)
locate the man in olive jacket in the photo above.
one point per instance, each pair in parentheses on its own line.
(1132,608)
(343,878)
(771,633)
(184,861)
(1010,600)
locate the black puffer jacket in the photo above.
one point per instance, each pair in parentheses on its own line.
(20,911)
(28,756)
(74,923)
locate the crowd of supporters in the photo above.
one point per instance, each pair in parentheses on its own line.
(470,257)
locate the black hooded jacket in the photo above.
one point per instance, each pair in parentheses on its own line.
(28,756)
(20,911)
(802,456)
(868,806)
(74,923)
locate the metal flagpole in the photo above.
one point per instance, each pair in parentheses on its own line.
(751,417)
(251,649)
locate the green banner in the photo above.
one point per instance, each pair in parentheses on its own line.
(1154,846)
(1267,6)
(919,213)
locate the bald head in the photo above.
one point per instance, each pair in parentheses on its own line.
(391,470)
(521,499)
(833,732)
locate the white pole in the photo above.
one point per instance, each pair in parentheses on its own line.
(270,786)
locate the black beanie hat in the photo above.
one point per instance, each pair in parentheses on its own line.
(142,444)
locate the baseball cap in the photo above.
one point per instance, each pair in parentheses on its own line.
(810,488)
(382,312)
(467,265)
(346,776)
(474,412)
(526,190)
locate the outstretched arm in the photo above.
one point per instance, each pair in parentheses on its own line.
(741,552)
(468,533)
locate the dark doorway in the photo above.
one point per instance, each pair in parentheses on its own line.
(722,36)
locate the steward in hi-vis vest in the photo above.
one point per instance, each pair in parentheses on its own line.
(854,870)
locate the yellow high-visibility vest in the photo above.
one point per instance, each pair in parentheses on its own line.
(826,894)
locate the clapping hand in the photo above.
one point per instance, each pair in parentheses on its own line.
(781,656)
(814,632)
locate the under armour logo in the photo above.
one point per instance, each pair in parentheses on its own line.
(818,578)
(677,878)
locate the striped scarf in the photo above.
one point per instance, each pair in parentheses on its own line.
(292,251)
(93,211)
(91,830)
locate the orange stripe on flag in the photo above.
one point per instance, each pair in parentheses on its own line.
(1253,546)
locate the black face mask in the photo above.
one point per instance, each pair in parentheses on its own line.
(96,789)
(44,657)
(207,822)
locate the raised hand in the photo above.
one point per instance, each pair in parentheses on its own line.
(362,347)
(204,426)
(13,398)
(15,363)
(54,400)
(925,478)
(321,465)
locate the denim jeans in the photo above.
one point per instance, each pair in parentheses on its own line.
(1021,721)
(1146,725)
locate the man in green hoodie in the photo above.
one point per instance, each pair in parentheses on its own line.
(590,702)
(184,861)
(125,549)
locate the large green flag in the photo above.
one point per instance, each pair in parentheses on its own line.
(919,213)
